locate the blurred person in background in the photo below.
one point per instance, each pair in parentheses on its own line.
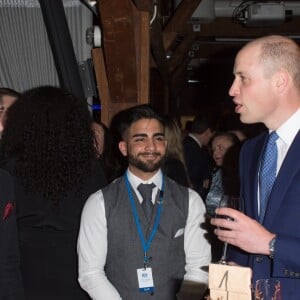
(225,148)
(103,148)
(7,98)
(198,162)
(174,164)
(115,162)
(241,135)
(221,143)
(99,137)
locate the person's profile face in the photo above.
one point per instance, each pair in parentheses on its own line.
(5,103)
(252,92)
(145,146)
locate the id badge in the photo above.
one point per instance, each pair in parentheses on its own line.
(145,280)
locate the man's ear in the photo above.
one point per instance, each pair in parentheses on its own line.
(281,80)
(123,148)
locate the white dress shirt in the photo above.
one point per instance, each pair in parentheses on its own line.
(92,242)
(286,133)
(195,139)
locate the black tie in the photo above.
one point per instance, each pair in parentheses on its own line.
(146,192)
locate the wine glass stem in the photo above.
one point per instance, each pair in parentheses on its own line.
(224,254)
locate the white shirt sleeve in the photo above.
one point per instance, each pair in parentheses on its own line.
(92,250)
(196,246)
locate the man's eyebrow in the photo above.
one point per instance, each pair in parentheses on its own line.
(239,73)
(159,134)
(145,135)
(140,135)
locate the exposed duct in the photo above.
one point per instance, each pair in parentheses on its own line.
(248,13)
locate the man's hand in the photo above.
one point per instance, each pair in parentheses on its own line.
(242,231)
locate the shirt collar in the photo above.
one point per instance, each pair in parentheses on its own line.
(135,181)
(194,138)
(289,129)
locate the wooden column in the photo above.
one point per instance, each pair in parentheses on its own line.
(122,66)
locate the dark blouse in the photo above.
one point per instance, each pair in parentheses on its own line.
(175,169)
(48,238)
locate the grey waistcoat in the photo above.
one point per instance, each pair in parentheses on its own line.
(124,250)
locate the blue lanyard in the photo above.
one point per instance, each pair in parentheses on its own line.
(145,244)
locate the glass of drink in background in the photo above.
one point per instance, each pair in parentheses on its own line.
(267,289)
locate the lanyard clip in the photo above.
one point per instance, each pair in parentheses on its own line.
(147,260)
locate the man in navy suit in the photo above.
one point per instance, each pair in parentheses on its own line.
(266,89)
(10,277)
(196,156)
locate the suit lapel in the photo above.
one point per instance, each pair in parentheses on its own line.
(290,166)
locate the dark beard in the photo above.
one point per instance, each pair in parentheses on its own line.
(145,166)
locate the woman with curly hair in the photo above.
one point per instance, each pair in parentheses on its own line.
(47,145)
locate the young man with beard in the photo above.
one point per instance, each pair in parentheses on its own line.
(123,254)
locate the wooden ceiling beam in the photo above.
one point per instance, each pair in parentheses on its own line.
(158,50)
(178,81)
(223,37)
(143,5)
(180,54)
(180,18)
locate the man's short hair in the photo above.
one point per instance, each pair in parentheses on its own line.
(201,123)
(125,118)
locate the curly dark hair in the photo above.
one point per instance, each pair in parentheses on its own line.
(48,135)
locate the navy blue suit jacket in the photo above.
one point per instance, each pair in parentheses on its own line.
(10,276)
(282,216)
(198,165)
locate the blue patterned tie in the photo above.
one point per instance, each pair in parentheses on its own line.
(267,172)
(146,192)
